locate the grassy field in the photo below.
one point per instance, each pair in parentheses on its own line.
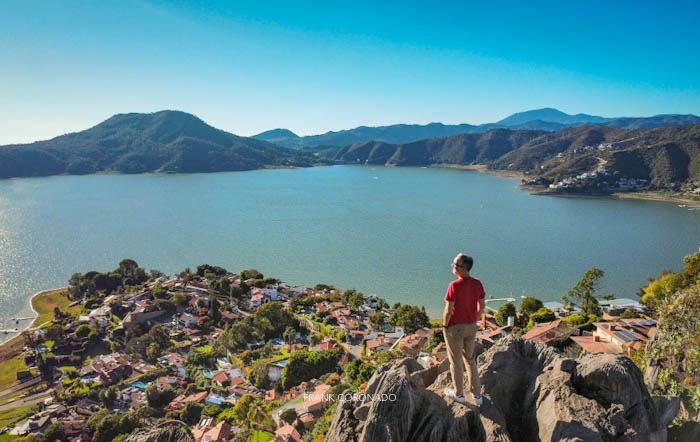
(13,415)
(11,360)
(45,302)
(261,436)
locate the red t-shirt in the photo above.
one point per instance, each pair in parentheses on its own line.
(465,293)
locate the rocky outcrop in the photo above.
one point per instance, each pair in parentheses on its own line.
(531,391)
(171,431)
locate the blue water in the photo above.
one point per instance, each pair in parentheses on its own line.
(389,231)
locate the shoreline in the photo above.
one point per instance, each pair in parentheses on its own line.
(35,313)
(644,195)
(483,168)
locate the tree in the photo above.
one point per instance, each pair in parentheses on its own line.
(158,397)
(673,354)
(410,317)
(251,274)
(289,335)
(108,396)
(542,315)
(289,415)
(257,415)
(192,412)
(181,299)
(113,425)
(258,375)
(305,365)
(53,433)
(378,321)
(272,319)
(242,407)
(82,331)
(359,371)
(583,294)
(529,305)
(356,300)
(504,312)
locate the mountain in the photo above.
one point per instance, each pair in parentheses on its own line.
(540,119)
(667,157)
(166,141)
(281,137)
(655,121)
(552,116)
(459,149)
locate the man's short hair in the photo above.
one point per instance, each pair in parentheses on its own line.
(465,261)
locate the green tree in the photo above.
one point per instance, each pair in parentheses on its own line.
(82,331)
(258,375)
(584,293)
(158,397)
(359,371)
(504,312)
(251,274)
(289,335)
(410,317)
(674,353)
(289,415)
(305,365)
(192,412)
(53,433)
(540,316)
(242,407)
(529,305)
(356,300)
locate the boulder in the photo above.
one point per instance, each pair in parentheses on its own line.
(531,393)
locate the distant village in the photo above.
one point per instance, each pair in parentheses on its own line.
(239,356)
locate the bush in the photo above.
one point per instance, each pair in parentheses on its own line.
(305,365)
(504,312)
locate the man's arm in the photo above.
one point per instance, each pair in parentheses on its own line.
(482,305)
(448,313)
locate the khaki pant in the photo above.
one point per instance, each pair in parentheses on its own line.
(460,339)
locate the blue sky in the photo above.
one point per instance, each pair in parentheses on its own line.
(246,67)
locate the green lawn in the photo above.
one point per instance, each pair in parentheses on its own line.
(261,436)
(298,400)
(9,369)
(13,415)
(45,302)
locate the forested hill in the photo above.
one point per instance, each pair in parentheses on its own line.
(667,157)
(166,141)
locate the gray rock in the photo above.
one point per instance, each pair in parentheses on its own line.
(532,393)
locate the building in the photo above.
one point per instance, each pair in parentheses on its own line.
(550,333)
(287,433)
(111,368)
(413,344)
(622,336)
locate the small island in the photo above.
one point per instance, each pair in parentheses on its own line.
(209,354)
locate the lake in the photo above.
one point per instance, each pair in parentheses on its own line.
(388,231)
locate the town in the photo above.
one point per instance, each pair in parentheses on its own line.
(240,356)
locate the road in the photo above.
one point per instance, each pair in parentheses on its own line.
(30,383)
(29,400)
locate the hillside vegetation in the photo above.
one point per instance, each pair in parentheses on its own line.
(667,157)
(166,141)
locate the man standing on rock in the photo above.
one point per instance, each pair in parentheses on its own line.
(465,301)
